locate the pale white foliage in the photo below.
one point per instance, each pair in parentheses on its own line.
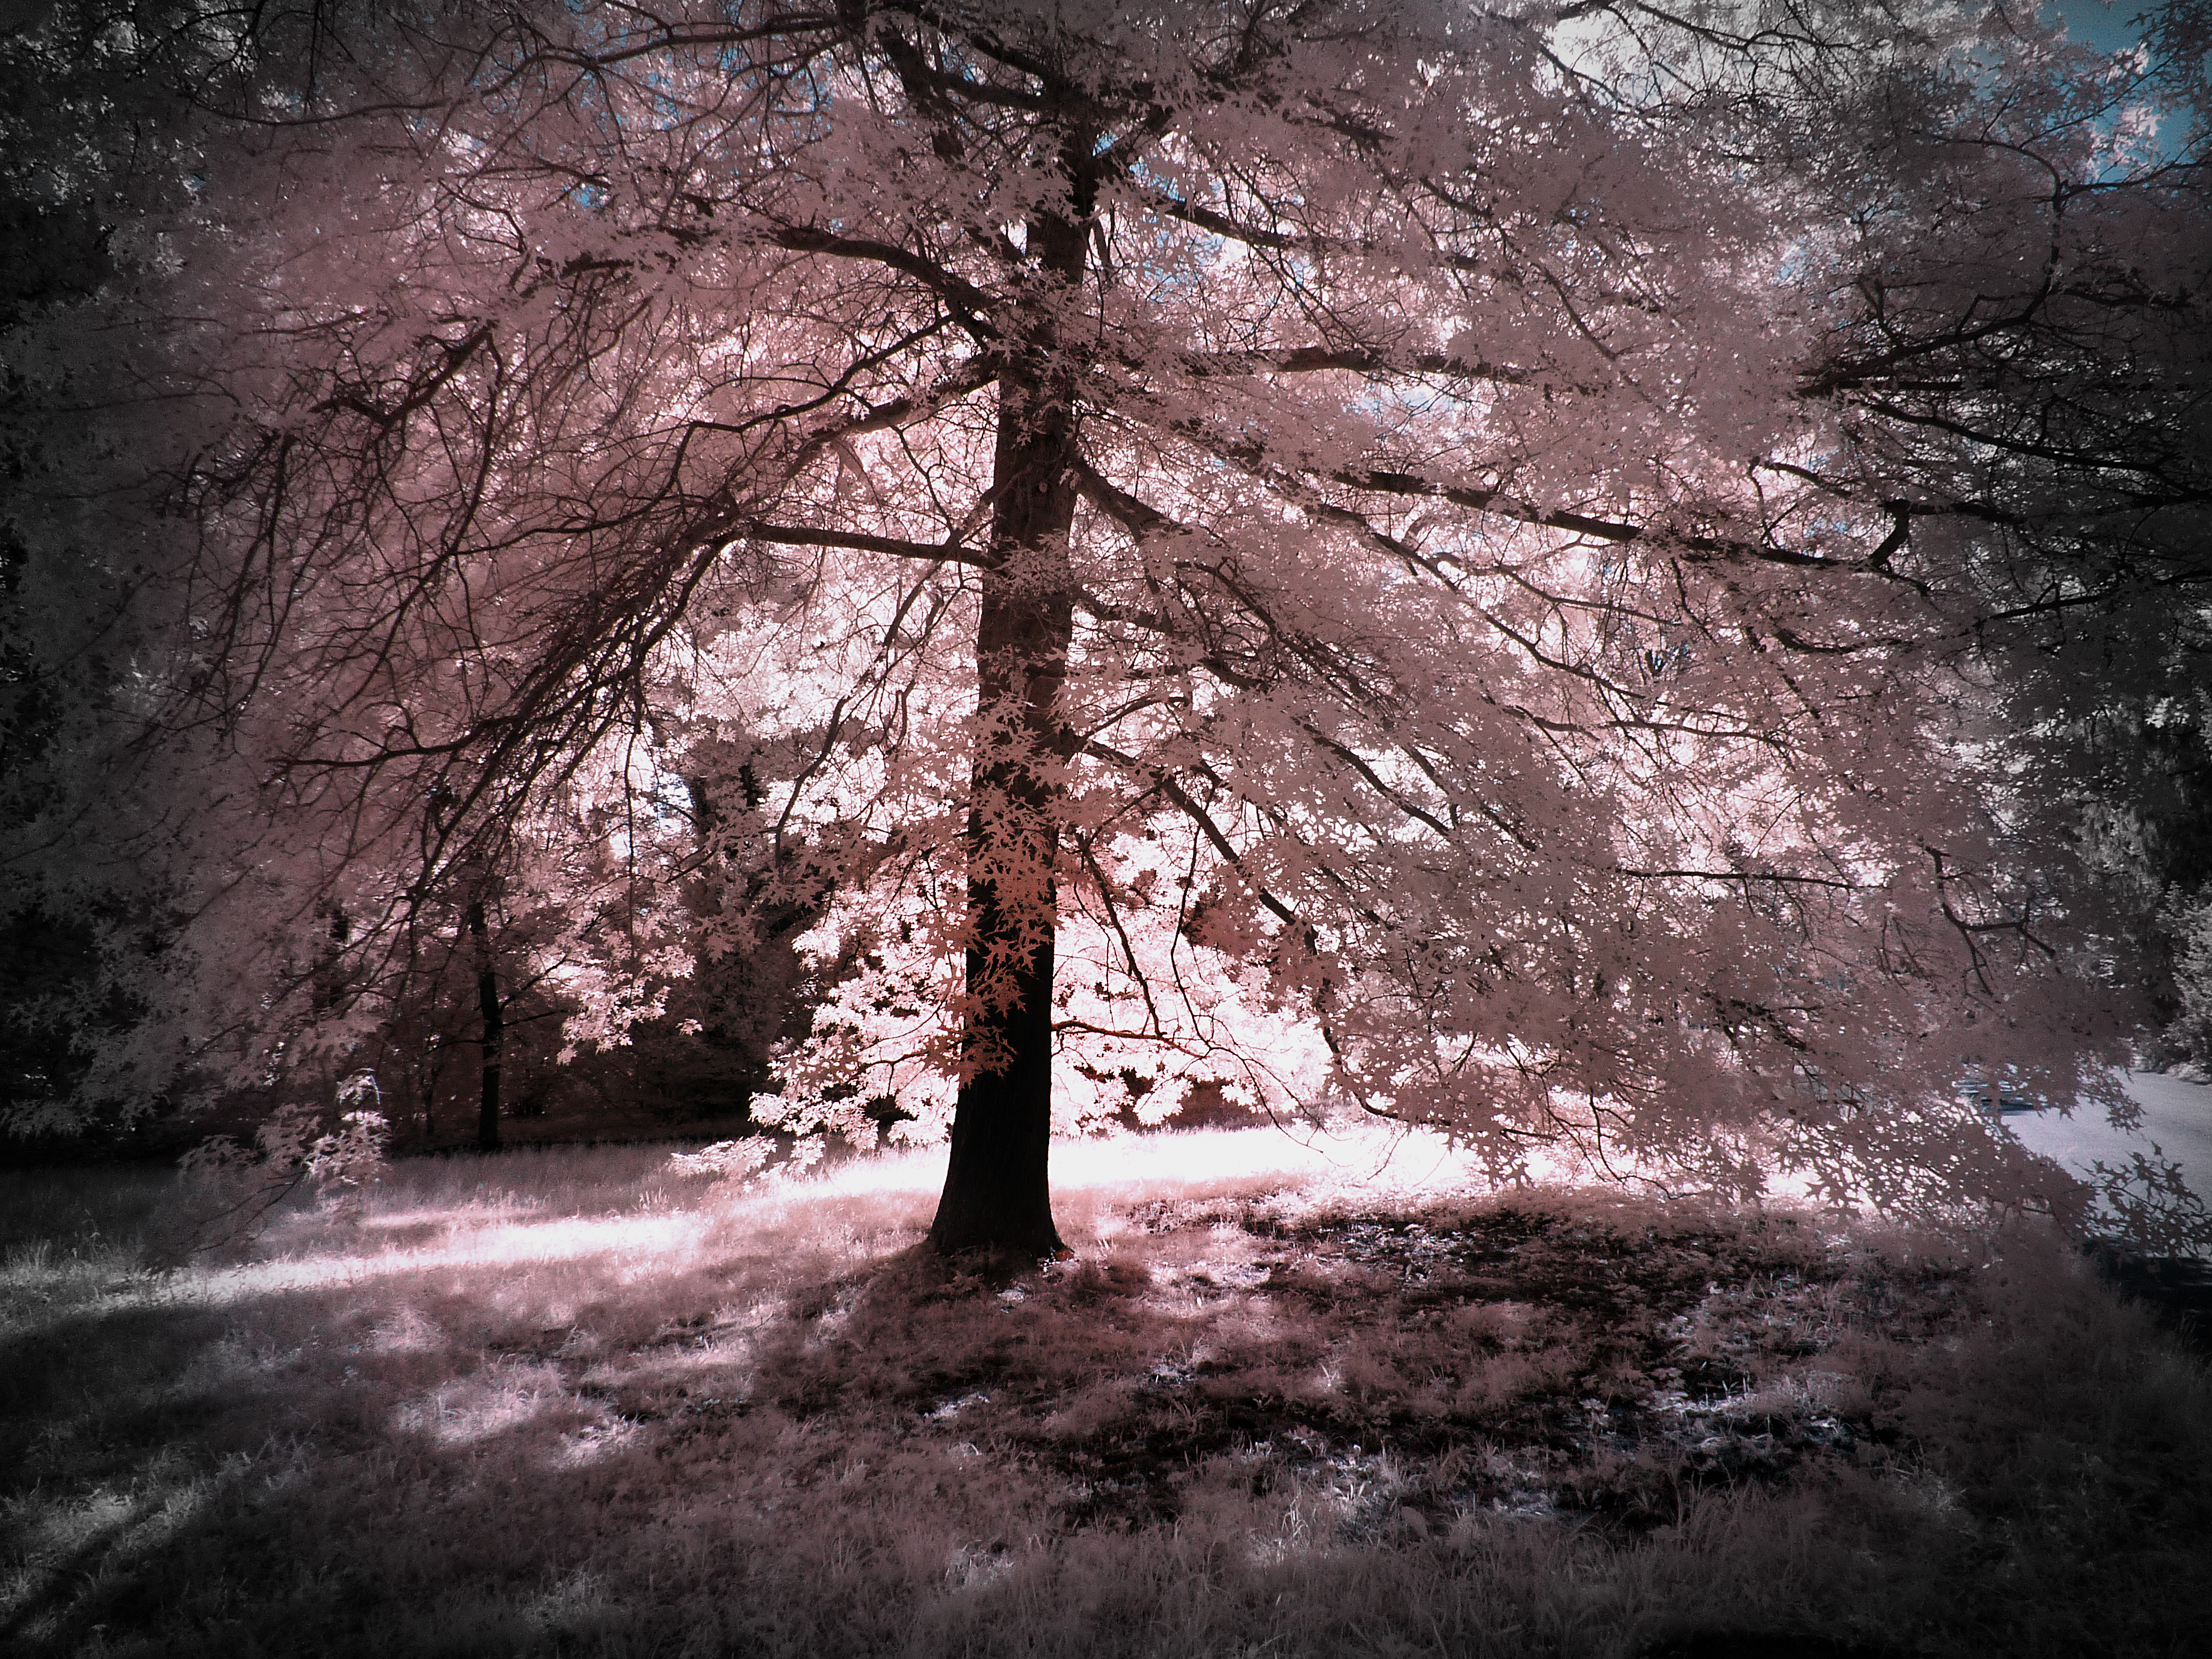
(290,1147)
(727,1160)
(2192,1027)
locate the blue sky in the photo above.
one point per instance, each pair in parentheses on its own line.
(2093,22)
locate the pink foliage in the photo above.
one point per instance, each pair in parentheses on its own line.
(1543,654)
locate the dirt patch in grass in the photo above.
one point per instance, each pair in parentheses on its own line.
(1475,1360)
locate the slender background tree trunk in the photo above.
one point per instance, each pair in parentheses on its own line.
(495,1026)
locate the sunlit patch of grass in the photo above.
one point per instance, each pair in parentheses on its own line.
(1285,1398)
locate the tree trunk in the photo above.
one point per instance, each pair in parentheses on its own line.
(430,1092)
(996,1194)
(495,1027)
(330,976)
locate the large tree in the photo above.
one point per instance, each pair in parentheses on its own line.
(1510,541)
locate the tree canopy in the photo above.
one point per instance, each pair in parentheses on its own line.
(1538,570)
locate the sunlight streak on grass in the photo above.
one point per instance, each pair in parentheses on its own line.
(1285,1388)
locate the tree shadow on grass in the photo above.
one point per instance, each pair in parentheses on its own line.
(1229,1426)
(1502,1361)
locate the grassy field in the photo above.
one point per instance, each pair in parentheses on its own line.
(1279,1403)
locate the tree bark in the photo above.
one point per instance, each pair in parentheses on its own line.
(996,1194)
(495,1027)
(330,977)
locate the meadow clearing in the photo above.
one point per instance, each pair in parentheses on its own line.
(1285,1400)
